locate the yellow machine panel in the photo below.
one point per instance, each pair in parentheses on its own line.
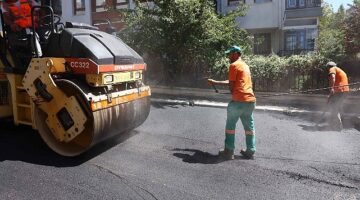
(98,80)
(58,106)
(22,106)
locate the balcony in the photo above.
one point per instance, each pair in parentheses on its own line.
(296,9)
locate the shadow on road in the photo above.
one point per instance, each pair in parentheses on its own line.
(197,156)
(21,143)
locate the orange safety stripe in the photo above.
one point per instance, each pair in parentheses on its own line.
(230,131)
(118,100)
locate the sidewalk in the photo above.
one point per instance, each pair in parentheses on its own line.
(293,103)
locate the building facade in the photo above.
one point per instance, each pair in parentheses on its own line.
(283,27)
(100,13)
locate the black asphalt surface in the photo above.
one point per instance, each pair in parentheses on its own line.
(173,155)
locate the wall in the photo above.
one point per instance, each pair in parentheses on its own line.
(68,12)
(261,15)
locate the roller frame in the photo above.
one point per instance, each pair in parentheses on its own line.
(42,68)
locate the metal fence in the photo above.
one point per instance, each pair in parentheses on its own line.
(293,81)
(311,82)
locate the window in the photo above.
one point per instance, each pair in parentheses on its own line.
(262,1)
(262,43)
(295,40)
(120,4)
(79,7)
(302,3)
(313,3)
(311,35)
(106,5)
(100,5)
(291,4)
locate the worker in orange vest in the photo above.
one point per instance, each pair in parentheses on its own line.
(17,14)
(17,20)
(339,89)
(240,107)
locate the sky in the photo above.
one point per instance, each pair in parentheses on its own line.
(336,3)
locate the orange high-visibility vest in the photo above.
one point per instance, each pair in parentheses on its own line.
(21,14)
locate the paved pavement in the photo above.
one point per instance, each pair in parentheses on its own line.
(173,155)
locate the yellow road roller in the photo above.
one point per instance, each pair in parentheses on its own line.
(74,84)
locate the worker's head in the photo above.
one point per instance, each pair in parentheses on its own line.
(233,53)
(330,64)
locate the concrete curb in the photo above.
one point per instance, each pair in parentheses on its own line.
(311,106)
(290,104)
(203,103)
(352,119)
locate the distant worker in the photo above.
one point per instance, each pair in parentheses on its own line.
(17,14)
(339,89)
(241,106)
(18,24)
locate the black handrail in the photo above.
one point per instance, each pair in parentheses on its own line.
(33,24)
(4,47)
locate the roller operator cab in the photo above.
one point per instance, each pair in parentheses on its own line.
(76,85)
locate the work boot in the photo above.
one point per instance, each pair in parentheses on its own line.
(226,154)
(248,154)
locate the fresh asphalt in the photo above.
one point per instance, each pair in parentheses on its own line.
(173,155)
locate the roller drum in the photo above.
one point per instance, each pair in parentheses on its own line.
(101,124)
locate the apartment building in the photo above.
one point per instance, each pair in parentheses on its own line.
(93,12)
(284,27)
(100,13)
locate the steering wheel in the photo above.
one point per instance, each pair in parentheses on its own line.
(46,20)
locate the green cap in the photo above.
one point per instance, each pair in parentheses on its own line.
(233,49)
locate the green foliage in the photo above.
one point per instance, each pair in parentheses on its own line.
(274,67)
(184,35)
(352,29)
(330,43)
(274,73)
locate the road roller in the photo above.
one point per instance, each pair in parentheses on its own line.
(75,85)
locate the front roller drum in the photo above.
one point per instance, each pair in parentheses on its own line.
(100,124)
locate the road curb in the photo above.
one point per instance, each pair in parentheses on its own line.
(290,104)
(204,103)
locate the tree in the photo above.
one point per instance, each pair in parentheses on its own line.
(352,29)
(184,36)
(331,43)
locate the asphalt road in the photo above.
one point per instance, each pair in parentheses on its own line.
(173,156)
